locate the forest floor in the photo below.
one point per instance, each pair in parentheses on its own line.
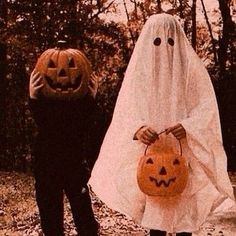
(19,214)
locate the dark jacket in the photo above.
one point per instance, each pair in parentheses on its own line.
(69,132)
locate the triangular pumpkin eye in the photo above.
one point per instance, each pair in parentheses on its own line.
(71,62)
(149,161)
(51,64)
(176,162)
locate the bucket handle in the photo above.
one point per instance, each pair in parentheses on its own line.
(180,145)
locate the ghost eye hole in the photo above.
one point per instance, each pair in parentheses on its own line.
(51,64)
(171,41)
(149,161)
(176,162)
(157,41)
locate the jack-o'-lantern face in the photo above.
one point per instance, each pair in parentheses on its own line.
(162,174)
(65,71)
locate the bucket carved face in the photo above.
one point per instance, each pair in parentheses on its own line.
(162,174)
(66,73)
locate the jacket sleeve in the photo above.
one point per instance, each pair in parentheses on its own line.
(36,107)
(99,123)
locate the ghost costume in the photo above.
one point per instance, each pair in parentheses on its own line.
(165,84)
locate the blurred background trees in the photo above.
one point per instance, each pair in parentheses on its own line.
(28,27)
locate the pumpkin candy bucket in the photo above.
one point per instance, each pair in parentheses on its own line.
(66,72)
(162,172)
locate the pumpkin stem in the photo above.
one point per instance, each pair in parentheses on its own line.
(62,44)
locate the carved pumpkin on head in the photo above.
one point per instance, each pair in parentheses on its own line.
(162,172)
(65,71)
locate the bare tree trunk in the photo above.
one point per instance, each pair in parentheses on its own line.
(181,8)
(126,10)
(73,24)
(3,73)
(128,19)
(224,40)
(194,25)
(159,9)
(135,8)
(211,34)
(3,10)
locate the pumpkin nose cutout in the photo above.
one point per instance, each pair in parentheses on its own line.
(62,72)
(163,171)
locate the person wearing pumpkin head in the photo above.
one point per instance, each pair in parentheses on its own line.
(63,106)
(166,89)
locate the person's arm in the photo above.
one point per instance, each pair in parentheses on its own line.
(146,135)
(35,106)
(137,132)
(97,126)
(177,130)
(93,85)
(35,85)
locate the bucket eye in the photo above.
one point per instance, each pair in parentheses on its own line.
(149,161)
(176,162)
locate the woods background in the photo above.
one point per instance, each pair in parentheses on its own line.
(28,27)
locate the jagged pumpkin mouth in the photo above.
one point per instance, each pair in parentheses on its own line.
(66,86)
(165,183)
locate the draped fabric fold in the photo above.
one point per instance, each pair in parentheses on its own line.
(165,84)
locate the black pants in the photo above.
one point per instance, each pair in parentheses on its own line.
(51,184)
(163,233)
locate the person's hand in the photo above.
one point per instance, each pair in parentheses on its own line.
(178,131)
(35,84)
(93,84)
(146,135)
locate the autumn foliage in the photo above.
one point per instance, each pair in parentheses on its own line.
(29,27)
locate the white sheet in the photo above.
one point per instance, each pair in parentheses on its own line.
(165,85)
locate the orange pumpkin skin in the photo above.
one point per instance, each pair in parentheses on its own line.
(163,173)
(66,73)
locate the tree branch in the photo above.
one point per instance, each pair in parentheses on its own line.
(128,20)
(211,34)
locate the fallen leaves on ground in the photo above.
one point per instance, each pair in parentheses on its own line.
(19,214)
